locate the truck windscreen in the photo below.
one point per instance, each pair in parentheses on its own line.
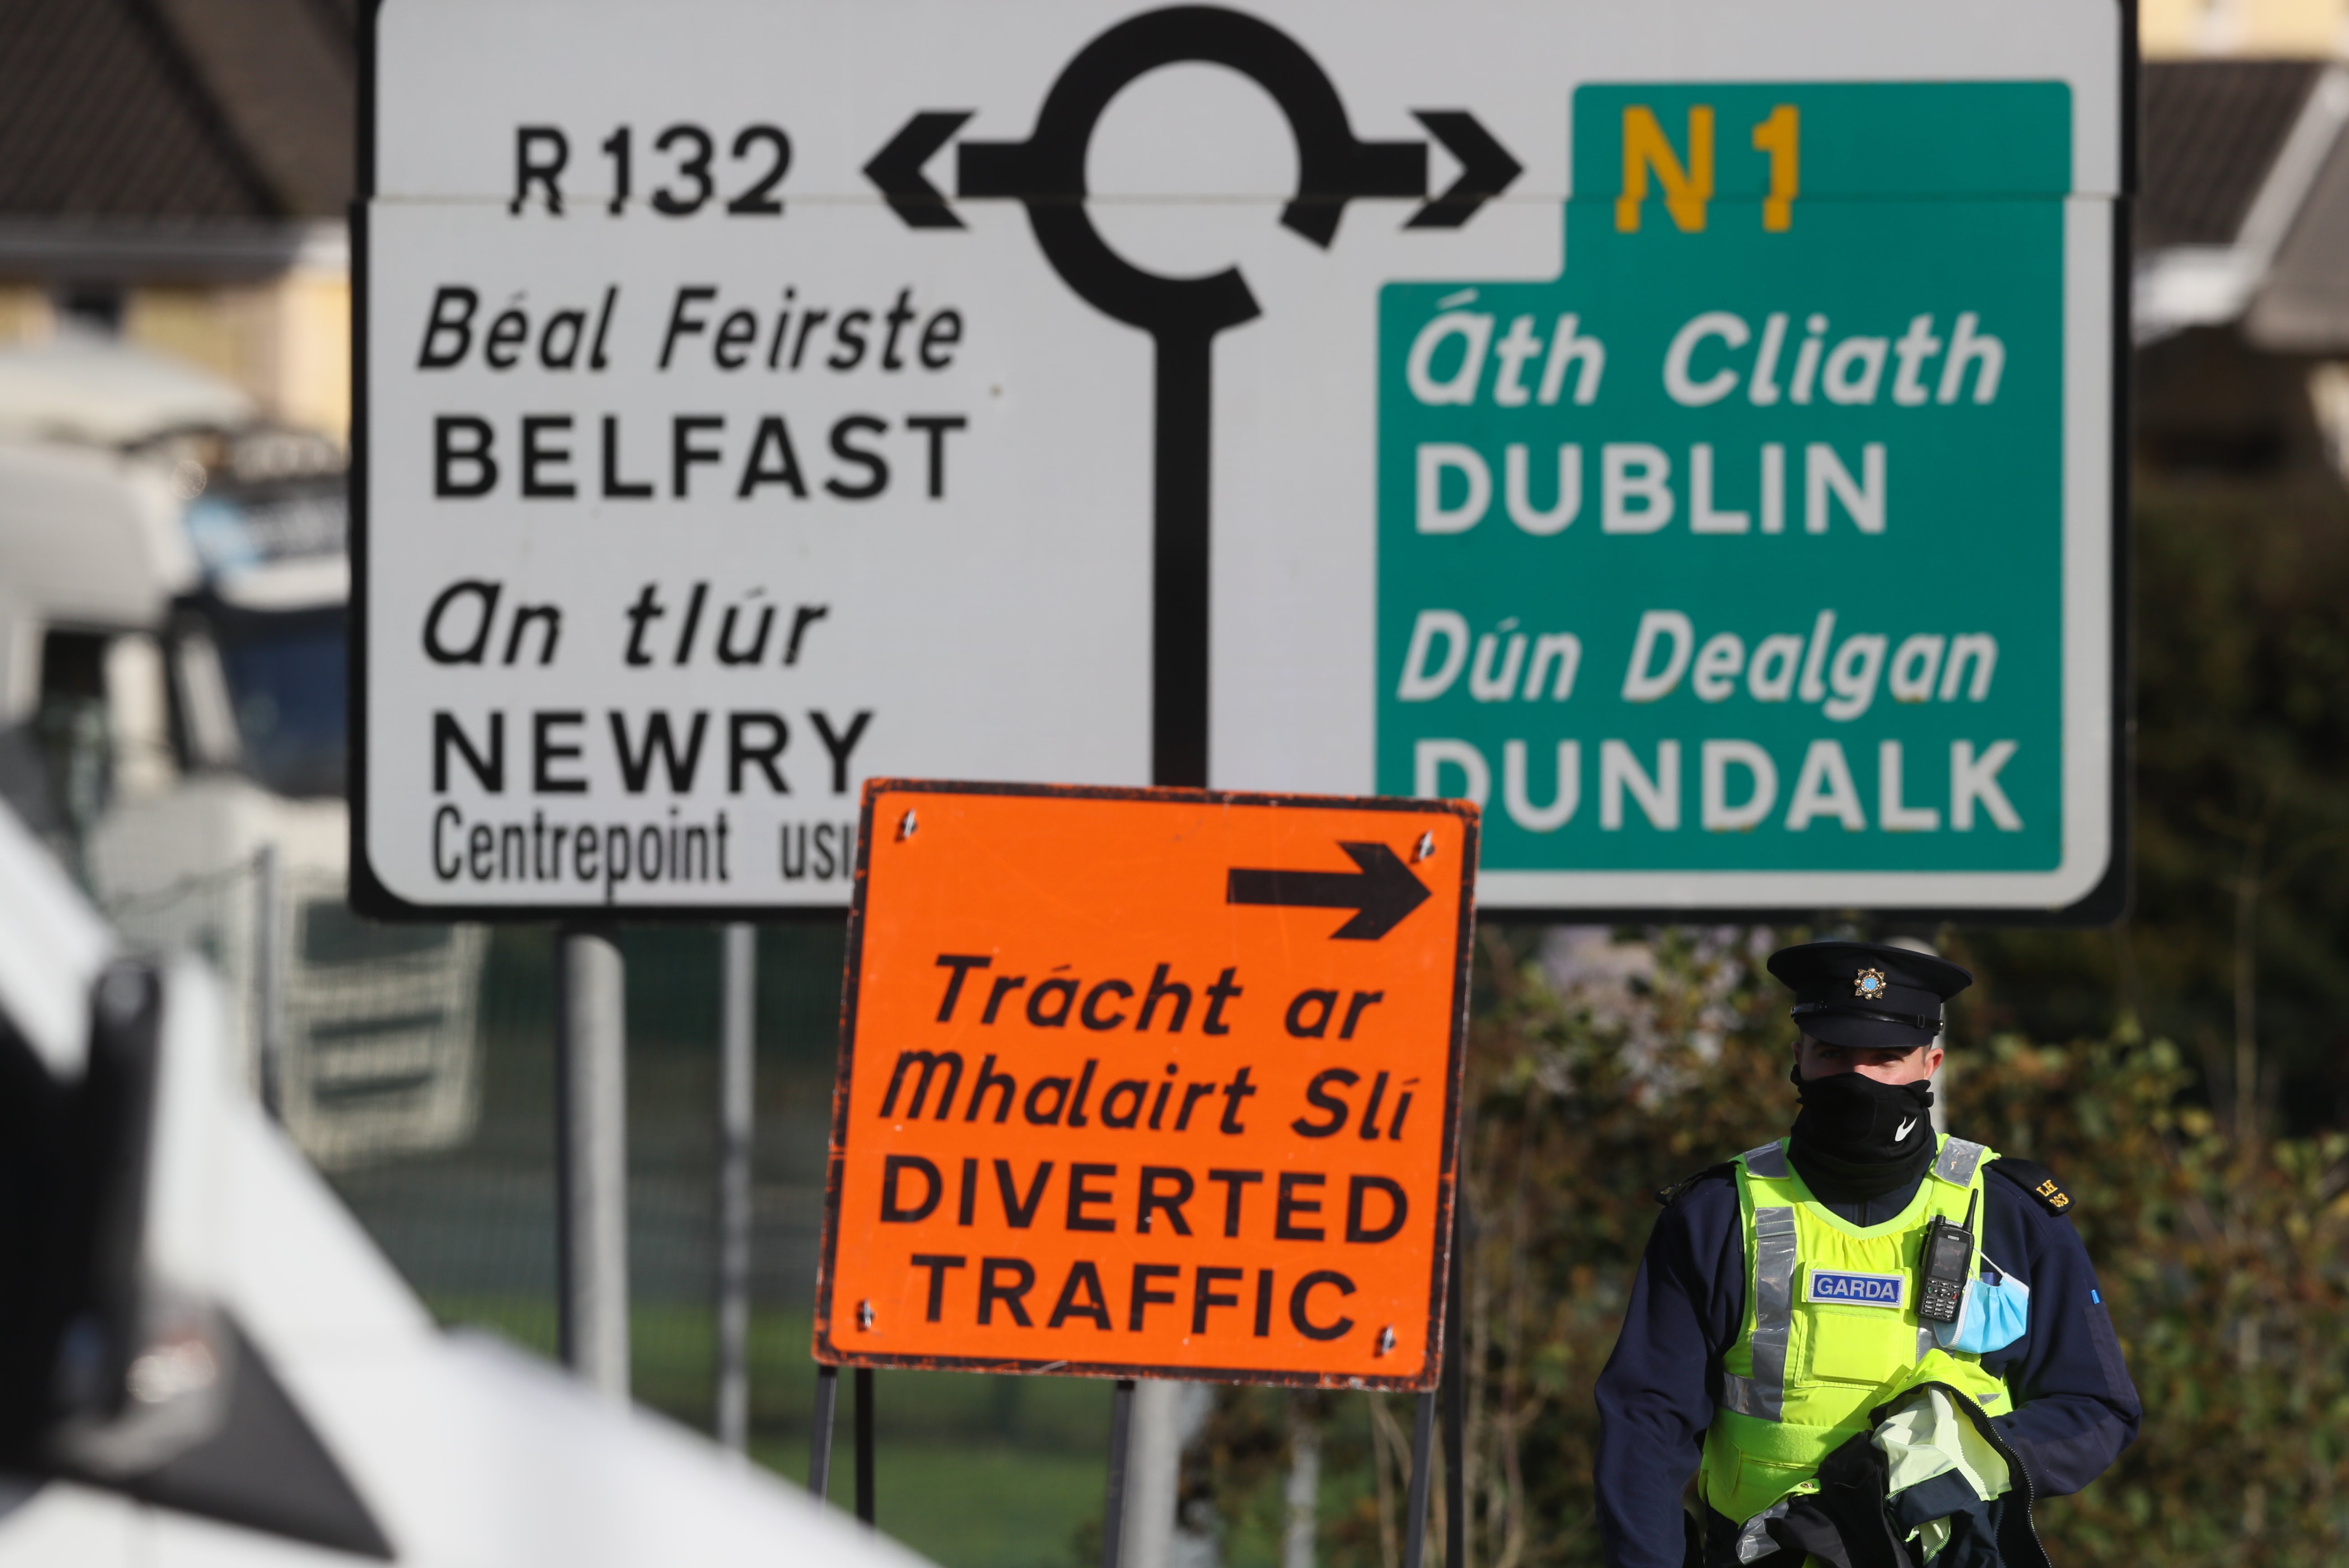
(285,670)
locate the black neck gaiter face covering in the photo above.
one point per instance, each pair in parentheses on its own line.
(1856,1137)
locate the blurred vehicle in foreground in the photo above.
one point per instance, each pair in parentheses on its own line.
(204,1360)
(173,591)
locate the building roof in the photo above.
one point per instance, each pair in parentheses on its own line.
(284,75)
(180,112)
(2242,218)
(2304,306)
(2207,132)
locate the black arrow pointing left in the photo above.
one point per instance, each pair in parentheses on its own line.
(896,168)
(1380,894)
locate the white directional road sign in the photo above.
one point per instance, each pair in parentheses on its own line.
(1686,430)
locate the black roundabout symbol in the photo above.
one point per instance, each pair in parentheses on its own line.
(1047,174)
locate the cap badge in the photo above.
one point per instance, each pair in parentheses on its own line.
(1868,984)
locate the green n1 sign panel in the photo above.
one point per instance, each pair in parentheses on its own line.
(1762,557)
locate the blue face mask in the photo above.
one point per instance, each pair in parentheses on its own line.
(1997,1313)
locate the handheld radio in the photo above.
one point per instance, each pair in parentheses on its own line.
(1947,1258)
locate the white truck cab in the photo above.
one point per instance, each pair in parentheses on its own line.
(174,608)
(204,1361)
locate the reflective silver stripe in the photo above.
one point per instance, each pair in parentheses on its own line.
(1743,1396)
(1956,1165)
(1754,1541)
(1764,1395)
(1926,1343)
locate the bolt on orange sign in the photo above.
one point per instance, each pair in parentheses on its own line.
(1148,1082)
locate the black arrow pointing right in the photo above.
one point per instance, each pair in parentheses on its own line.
(896,168)
(1485,167)
(1380,894)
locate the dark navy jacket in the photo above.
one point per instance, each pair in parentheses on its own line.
(2076,1407)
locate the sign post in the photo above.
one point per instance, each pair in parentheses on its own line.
(592,1159)
(737,1120)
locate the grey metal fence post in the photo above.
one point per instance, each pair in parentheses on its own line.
(269,979)
(591,1158)
(736,1067)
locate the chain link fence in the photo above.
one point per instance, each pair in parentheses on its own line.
(368,1031)
(471,1221)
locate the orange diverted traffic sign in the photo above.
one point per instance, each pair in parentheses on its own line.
(1148,1082)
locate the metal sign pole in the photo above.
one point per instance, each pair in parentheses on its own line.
(1455,1391)
(736,1067)
(827,1400)
(1422,1441)
(864,1501)
(592,1166)
(1121,1427)
(1165,1415)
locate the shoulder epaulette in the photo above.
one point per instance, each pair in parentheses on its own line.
(1668,1196)
(2036,1181)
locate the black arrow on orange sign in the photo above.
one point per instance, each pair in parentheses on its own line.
(1380,894)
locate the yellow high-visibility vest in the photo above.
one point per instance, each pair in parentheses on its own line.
(1831,1329)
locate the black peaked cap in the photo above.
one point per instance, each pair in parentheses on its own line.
(1866,995)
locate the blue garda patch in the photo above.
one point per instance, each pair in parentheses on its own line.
(1851,1289)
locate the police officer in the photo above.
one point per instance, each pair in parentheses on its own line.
(1775,1322)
